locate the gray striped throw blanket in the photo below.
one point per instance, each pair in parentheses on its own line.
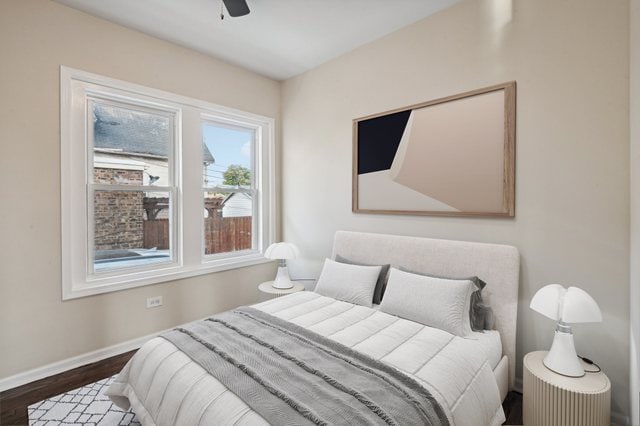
(292,376)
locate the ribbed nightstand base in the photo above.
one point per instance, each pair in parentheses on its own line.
(548,401)
(268,292)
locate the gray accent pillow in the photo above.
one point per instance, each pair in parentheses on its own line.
(480,314)
(434,302)
(349,283)
(382,278)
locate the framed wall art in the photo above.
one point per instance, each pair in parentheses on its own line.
(453,156)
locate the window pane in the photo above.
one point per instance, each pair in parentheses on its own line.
(131,147)
(228,222)
(228,156)
(131,228)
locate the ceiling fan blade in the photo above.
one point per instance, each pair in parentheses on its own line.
(236,7)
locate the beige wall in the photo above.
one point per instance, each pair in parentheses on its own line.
(570,59)
(634,115)
(36,37)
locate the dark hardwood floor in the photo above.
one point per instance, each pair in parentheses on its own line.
(14,402)
(512,406)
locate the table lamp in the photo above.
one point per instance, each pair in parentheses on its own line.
(282,252)
(567,306)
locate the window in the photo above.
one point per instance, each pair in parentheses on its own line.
(229,187)
(131,186)
(156,186)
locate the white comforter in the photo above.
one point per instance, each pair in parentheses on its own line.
(165,387)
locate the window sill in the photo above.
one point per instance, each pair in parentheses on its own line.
(118,283)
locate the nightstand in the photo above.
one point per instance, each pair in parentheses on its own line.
(269,292)
(553,399)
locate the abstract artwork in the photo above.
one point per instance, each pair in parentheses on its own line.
(453,156)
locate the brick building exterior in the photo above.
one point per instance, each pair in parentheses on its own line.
(118,215)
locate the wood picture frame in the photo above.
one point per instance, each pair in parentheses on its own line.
(452,156)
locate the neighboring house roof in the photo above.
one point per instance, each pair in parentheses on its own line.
(130,132)
(228,197)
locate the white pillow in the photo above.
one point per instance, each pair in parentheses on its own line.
(349,283)
(435,302)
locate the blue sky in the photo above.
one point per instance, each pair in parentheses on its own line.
(228,146)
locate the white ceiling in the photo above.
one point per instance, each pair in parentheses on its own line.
(279,38)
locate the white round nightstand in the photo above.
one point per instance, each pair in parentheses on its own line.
(554,399)
(271,292)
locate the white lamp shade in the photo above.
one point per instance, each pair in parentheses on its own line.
(547,301)
(281,251)
(572,305)
(579,306)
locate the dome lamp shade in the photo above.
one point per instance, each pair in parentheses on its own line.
(282,252)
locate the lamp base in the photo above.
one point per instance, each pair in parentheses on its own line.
(282,280)
(562,357)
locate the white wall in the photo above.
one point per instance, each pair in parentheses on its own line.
(36,37)
(570,59)
(634,115)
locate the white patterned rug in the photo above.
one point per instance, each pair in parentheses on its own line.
(83,406)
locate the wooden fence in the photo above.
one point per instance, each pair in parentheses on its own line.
(156,233)
(222,234)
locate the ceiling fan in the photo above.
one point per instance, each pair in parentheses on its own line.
(235,8)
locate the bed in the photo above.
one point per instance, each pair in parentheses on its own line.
(467,376)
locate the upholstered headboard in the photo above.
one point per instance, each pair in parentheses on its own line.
(497,265)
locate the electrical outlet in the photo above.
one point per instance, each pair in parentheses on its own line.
(154,302)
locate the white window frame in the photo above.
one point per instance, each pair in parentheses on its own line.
(189,260)
(256,176)
(106,97)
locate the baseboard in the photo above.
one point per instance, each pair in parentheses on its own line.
(76,361)
(71,363)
